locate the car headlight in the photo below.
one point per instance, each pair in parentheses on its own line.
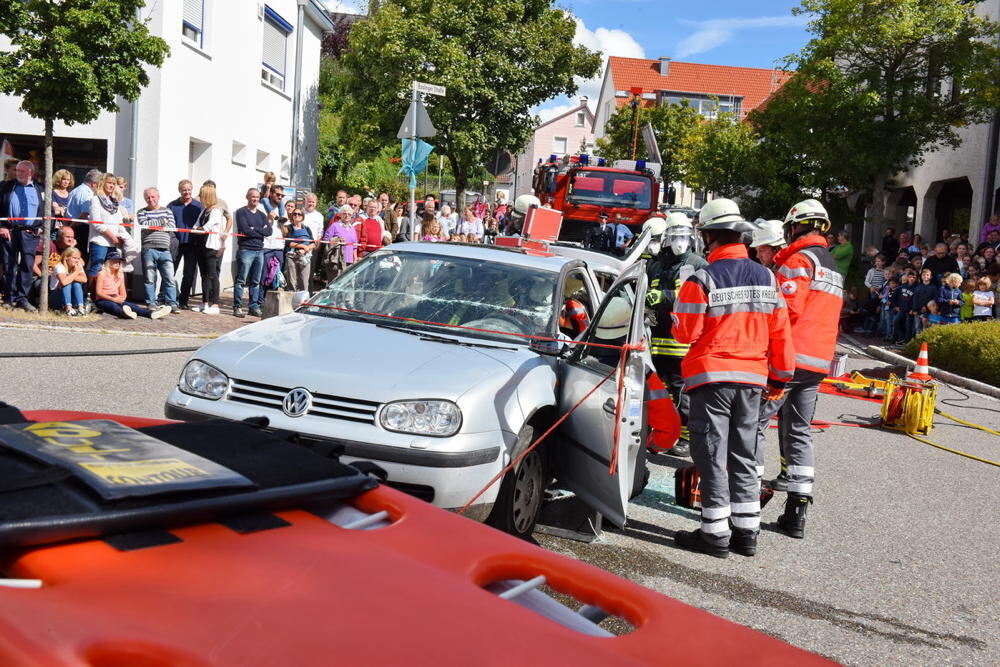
(435,418)
(200,379)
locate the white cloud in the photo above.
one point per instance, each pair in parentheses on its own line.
(716,32)
(552,112)
(608,42)
(346,6)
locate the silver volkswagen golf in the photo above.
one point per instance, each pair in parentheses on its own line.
(442,363)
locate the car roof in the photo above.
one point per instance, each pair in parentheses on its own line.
(486,253)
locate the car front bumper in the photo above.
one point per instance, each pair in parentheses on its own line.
(456,470)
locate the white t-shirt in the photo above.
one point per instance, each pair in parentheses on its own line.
(978,311)
(314,223)
(104,222)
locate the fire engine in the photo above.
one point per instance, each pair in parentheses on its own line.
(627,192)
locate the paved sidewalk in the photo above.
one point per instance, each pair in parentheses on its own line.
(187,322)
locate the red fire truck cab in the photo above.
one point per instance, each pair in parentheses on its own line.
(585,194)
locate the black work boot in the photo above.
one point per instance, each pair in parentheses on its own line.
(793,520)
(743,542)
(694,540)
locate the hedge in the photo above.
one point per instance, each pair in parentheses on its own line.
(970,349)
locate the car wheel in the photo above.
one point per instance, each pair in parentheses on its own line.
(519,500)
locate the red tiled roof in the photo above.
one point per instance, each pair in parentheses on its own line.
(754,85)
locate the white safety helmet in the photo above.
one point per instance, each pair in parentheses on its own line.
(769,232)
(656,225)
(523,203)
(722,214)
(678,224)
(615,320)
(809,212)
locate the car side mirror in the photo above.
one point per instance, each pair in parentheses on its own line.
(548,347)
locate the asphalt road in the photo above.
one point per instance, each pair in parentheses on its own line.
(899,561)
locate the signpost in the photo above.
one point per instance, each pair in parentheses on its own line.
(418,124)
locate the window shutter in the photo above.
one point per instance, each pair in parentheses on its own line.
(193,13)
(274,46)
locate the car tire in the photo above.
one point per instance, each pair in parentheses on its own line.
(519,501)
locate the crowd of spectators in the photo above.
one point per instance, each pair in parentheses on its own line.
(910,284)
(278,243)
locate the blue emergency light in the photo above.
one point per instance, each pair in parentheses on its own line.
(553,157)
(600,162)
(640,165)
(584,159)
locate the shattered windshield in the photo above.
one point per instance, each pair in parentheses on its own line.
(427,291)
(610,188)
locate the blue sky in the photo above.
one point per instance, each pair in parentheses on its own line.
(747,33)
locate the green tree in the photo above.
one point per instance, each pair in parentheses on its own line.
(69,61)
(497,59)
(673,124)
(719,156)
(881,83)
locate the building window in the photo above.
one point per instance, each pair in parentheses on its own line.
(559,145)
(286,169)
(239,153)
(262,160)
(193,24)
(581,119)
(276,32)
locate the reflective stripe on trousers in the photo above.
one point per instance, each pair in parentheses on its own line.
(797,406)
(723,423)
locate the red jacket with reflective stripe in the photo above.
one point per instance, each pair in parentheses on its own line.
(814,292)
(735,318)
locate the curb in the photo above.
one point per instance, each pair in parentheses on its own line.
(950,378)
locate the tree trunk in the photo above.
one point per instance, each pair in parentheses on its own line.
(875,217)
(43,292)
(461,179)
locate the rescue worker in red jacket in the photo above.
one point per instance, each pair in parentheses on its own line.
(733,315)
(814,292)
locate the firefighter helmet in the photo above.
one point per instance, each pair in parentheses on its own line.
(769,232)
(525,202)
(809,212)
(678,224)
(615,320)
(722,214)
(655,225)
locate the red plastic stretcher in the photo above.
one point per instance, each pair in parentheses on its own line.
(409,593)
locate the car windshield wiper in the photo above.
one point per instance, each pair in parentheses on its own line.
(453,341)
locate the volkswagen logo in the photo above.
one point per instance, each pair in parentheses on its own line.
(297,402)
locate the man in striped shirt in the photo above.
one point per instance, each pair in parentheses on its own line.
(158,226)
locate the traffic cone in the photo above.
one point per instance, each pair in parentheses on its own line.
(920,371)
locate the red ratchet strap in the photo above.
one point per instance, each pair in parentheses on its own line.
(154,228)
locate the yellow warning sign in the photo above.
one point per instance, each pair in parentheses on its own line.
(140,473)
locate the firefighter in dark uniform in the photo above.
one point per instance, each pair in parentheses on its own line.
(814,292)
(733,315)
(673,264)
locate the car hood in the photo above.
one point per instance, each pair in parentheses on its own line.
(338,356)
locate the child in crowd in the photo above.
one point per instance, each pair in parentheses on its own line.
(889,294)
(109,289)
(932,316)
(903,306)
(875,282)
(850,311)
(965,312)
(431,230)
(925,292)
(982,301)
(950,298)
(458,238)
(72,280)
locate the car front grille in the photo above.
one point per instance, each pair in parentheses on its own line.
(323,405)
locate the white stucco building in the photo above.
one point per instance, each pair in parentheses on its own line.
(954,189)
(567,134)
(235,98)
